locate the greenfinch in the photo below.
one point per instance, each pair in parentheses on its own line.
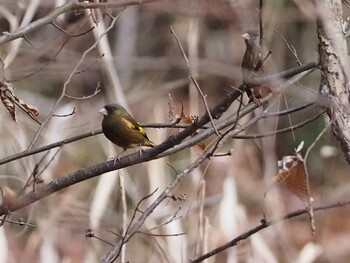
(252,62)
(122,129)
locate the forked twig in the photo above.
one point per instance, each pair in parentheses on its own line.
(194,80)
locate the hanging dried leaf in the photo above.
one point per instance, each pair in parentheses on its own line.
(296,181)
(9,100)
(200,147)
(294,175)
(34,110)
(6,96)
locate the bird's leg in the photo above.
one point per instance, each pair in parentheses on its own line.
(140,149)
(259,93)
(255,100)
(117,157)
(252,97)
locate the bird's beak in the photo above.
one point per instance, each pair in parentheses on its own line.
(246,36)
(103,111)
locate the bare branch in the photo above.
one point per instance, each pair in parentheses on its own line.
(71,6)
(264,224)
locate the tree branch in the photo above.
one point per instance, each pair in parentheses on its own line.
(334,65)
(71,6)
(264,224)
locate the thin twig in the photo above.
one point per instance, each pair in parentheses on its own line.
(48,147)
(65,115)
(309,201)
(194,81)
(70,34)
(261,23)
(290,47)
(161,235)
(284,130)
(124,210)
(96,91)
(18,222)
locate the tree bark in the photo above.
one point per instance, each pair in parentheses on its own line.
(334,66)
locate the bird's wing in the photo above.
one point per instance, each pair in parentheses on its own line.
(132,124)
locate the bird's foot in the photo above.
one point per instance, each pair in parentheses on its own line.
(115,159)
(255,100)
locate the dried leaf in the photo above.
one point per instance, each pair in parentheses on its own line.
(6,96)
(9,100)
(296,181)
(294,176)
(199,147)
(185,119)
(34,110)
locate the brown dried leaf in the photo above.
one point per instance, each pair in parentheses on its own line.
(6,96)
(185,119)
(296,181)
(31,108)
(9,100)
(199,147)
(294,178)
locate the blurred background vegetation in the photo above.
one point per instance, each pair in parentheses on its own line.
(153,73)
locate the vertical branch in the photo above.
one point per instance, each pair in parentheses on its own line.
(333,53)
(124,216)
(261,23)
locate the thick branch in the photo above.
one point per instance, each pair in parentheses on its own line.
(334,66)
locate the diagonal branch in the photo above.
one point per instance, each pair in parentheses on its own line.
(264,224)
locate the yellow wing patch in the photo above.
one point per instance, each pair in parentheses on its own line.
(133,127)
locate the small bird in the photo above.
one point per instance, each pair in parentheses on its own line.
(252,55)
(122,129)
(251,64)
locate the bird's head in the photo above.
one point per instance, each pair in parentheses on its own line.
(251,36)
(112,109)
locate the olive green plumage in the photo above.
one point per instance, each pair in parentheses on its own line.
(122,129)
